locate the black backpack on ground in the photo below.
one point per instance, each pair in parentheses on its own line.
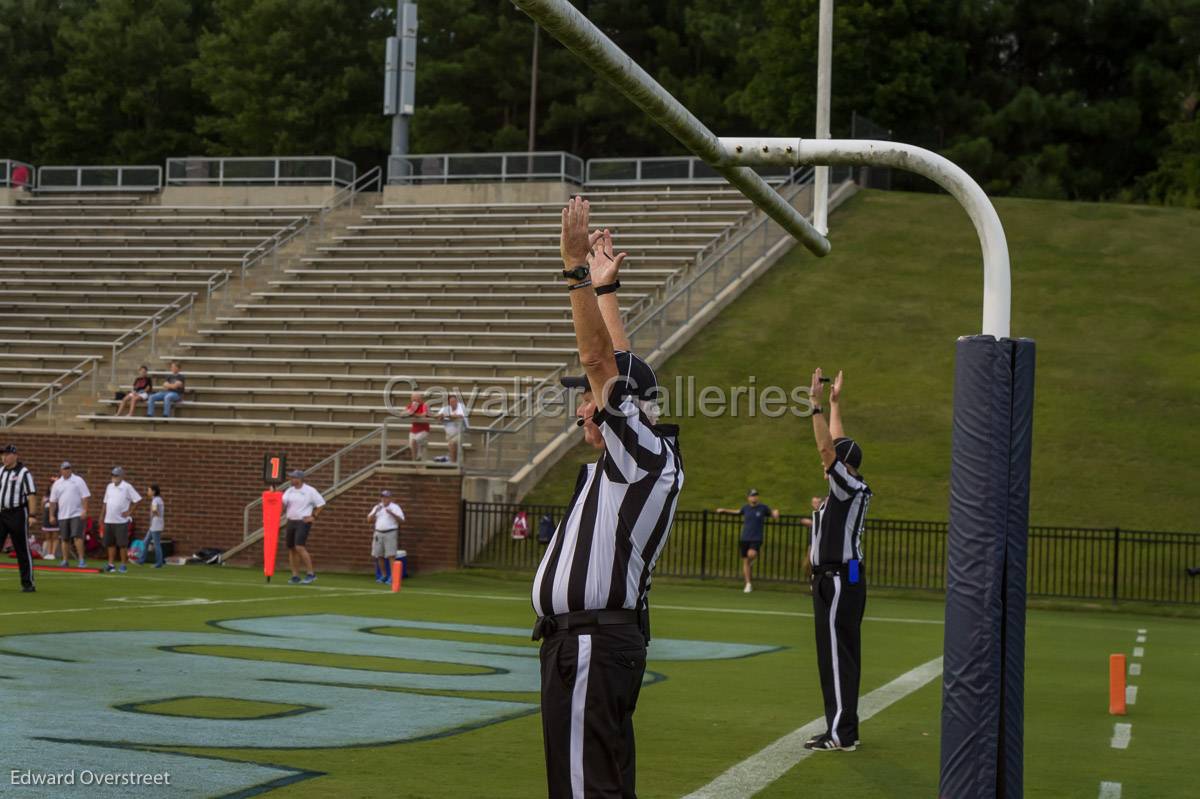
(546,527)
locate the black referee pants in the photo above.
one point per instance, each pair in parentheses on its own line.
(590,687)
(14,524)
(838,607)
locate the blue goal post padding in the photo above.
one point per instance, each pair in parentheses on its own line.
(983,677)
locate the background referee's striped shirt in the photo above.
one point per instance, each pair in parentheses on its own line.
(16,485)
(605,548)
(838,523)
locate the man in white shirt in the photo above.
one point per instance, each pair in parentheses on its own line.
(119,499)
(454,419)
(68,508)
(302,505)
(387,516)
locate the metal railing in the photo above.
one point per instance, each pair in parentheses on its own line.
(667,169)
(45,396)
(1063,562)
(270,246)
(373,177)
(99,178)
(8,166)
(151,324)
(484,167)
(353,461)
(314,170)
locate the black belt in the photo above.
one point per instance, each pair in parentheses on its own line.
(565,622)
(829,570)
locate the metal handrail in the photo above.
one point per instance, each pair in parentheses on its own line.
(669,169)
(78,178)
(184,302)
(340,173)
(55,388)
(7,165)
(347,194)
(569,167)
(386,455)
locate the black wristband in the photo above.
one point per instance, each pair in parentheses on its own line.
(579,285)
(609,289)
(816,411)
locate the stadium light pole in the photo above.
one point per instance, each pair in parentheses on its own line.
(824,90)
(399,76)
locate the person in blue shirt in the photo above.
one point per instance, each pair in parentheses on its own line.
(754,517)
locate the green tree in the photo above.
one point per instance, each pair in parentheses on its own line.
(295,77)
(124,94)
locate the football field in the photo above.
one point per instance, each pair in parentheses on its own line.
(232,687)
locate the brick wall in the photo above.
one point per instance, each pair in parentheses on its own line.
(206,484)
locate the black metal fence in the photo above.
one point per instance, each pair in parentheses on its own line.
(1069,562)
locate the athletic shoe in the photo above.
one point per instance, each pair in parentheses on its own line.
(379,578)
(28,589)
(294,580)
(49,557)
(82,564)
(158,565)
(64,564)
(312,578)
(122,569)
(109,568)
(747,589)
(826,744)
(1194,572)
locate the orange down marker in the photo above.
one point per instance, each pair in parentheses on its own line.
(398,575)
(1116,685)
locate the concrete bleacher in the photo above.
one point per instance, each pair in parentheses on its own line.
(459,296)
(79,273)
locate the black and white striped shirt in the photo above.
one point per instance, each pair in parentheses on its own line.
(838,524)
(16,486)
(604,550)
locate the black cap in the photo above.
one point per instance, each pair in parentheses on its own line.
(848,451)
(752,492)
(9,448)
(636,378)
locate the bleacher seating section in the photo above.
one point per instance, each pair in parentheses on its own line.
(78,272)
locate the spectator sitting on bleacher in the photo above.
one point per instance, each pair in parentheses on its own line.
(171,393)
(141,391)
(418,435)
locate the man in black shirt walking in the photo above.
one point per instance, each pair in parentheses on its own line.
(754,517)
(839,586)
(18,504)
(591,587)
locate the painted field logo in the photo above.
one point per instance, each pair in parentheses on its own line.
(354,680)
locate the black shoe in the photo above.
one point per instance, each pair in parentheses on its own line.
(1193,572)
(816,739)
(28,589)
(826,744)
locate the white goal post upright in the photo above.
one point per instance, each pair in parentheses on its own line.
(824,90)
(575,31)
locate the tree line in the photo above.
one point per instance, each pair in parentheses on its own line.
(1077,99)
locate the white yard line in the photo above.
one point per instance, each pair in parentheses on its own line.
(192,602)
(1122,733)
(1139,651)
(1142,631)
(1135,669)
(769,764)
(1110,790)
(1131,694)
(1141,639)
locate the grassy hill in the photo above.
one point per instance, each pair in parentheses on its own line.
(1111,294)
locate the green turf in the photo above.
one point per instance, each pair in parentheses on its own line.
(1111,293)
(698,719)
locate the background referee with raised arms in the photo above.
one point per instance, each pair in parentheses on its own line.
(839,585)
(18,504)
(590,589)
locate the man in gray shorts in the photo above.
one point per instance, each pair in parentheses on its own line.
(119,500)
(387,516)
(69,507)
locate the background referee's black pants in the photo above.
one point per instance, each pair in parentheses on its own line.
(13,524)
(838,609)
(590,686)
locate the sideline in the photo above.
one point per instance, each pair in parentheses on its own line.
(770,763)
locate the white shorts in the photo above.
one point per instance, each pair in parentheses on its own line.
(383,545)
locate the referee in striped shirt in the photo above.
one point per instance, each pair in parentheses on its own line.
(839,585)
(590,590)
(18,504)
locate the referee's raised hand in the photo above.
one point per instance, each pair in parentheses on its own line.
(575,245)
(815,389)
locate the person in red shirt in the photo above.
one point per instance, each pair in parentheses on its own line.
(418,435)
(20,177)
(141,391)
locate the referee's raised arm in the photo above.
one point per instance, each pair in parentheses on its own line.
(591,333)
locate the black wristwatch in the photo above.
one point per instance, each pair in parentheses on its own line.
(816,410)
(609,289)
(578,273)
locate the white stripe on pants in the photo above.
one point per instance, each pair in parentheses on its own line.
(578,705)
(833,652)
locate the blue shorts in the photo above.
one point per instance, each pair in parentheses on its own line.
(746,546)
